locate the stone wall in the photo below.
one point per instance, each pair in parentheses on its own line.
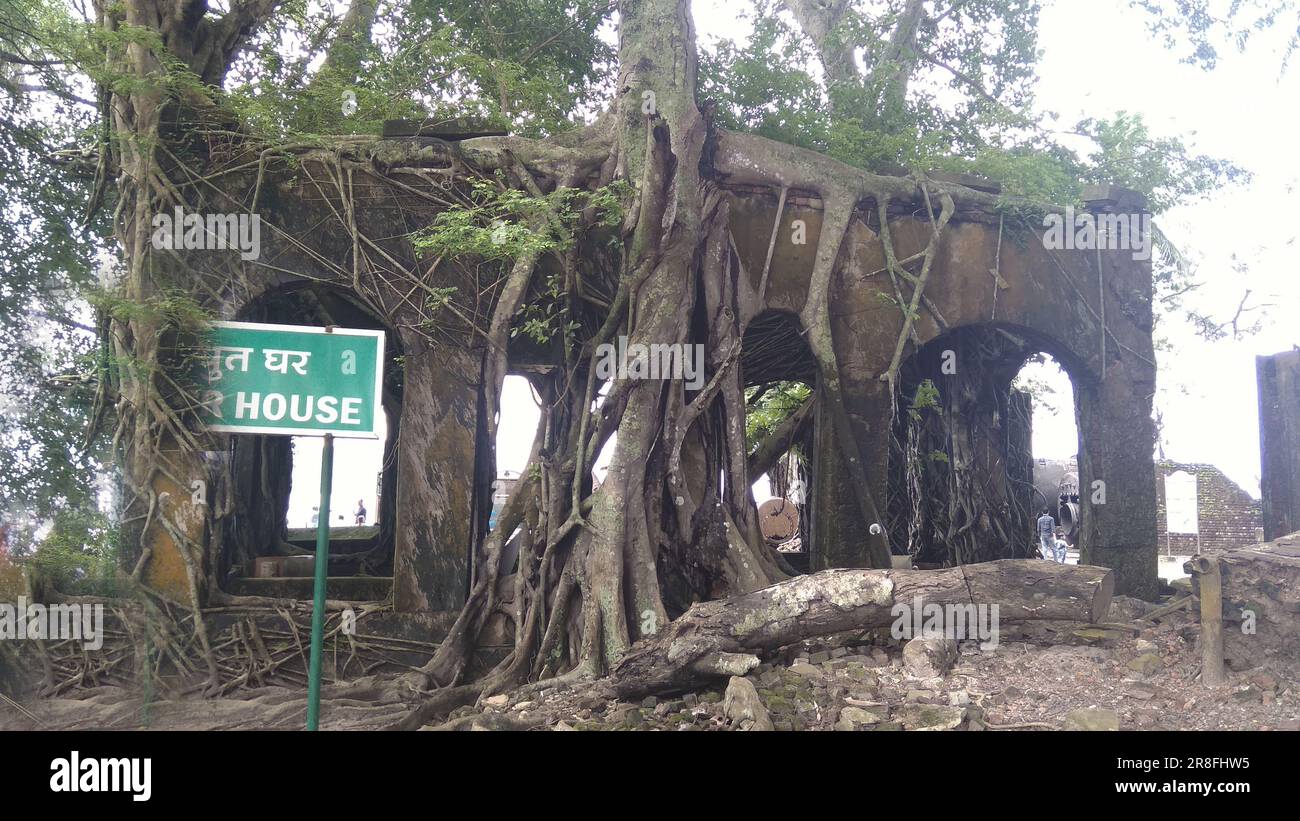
(1261,603)
(1227,516)
(1096,323)
(1090,311)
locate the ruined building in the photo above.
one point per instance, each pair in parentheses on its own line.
(997,294)
(1227,516)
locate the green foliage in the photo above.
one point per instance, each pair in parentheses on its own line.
(926,397)
(967,106)
(767,84)
(766,413)
(48,375)
(497,224)
(80,553)
(174,79)
(762,85)
(439,298)
(527,65)
(172,307)
(542,318)
(1199,27)
(504,223)
(1162,168)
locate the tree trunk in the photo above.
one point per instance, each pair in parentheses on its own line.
(721,638)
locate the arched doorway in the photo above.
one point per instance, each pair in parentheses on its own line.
(780,378)
(275,485)
(1054,446)
(962,468)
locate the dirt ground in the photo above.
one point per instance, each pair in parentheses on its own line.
(1039,676)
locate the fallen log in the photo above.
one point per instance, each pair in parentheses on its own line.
(725,637)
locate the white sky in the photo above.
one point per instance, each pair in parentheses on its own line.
(1098,58)
(355,474)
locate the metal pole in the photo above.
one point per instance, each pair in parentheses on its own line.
(322,572)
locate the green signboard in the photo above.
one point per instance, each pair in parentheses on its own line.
(295,380)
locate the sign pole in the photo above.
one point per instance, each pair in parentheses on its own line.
(297,380)
(322,572)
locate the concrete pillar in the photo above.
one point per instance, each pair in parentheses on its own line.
(840,535)
(1114,401)
(1117,480)
(1279,441)
(435,480)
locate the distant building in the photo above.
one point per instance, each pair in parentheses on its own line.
(1227,516)
(1056,486)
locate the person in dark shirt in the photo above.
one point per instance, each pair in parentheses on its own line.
(361,511)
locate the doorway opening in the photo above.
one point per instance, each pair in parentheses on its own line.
(985,435)
(269,543)
(780,378)
(1055,445)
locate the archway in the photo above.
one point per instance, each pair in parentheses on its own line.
(780,379)
(961,468)
(1055,445)
(273,493)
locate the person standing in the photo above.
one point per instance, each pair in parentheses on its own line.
(1047,536)
(361,511)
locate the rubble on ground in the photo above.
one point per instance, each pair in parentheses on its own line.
(1120,675)
(1126,673)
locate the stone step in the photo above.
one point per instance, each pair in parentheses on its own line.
(345,588)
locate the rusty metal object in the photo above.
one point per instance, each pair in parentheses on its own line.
(778,519)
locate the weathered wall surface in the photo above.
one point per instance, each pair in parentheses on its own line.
(1279,441)
(1261,592)
(303,247)
(1096,323)
(435,483)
